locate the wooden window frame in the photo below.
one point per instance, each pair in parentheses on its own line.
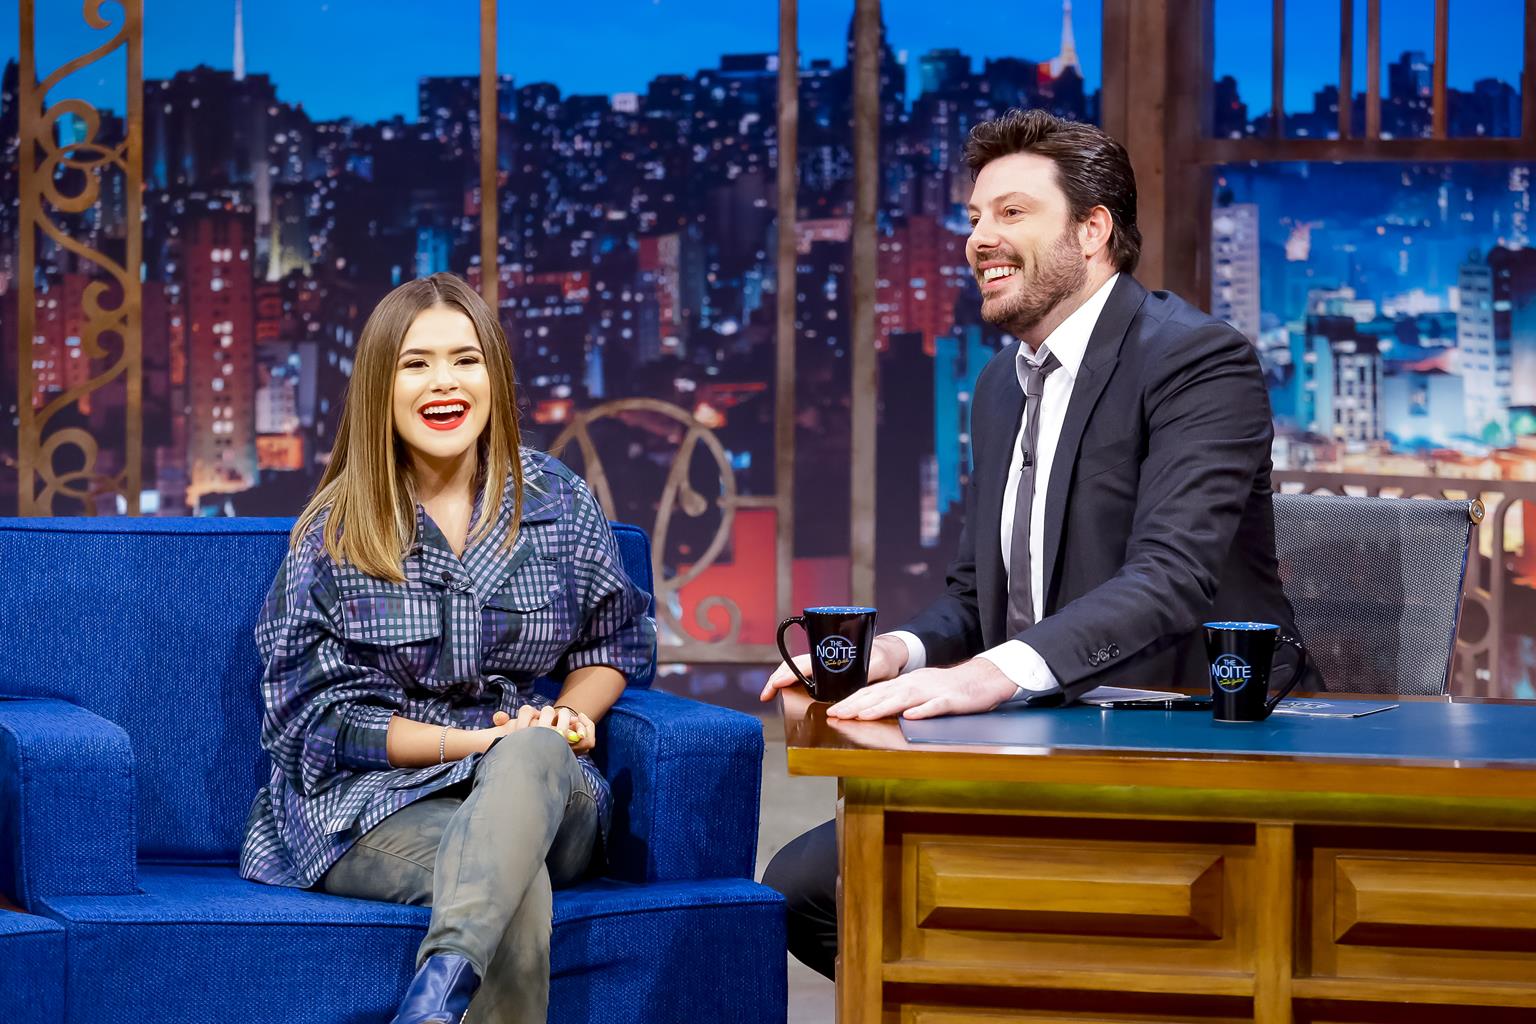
(1158,68)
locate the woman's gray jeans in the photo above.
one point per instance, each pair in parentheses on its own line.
(486,863)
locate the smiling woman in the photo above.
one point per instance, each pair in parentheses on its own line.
(416,607)
(430,344)
(440,381)
(441,405)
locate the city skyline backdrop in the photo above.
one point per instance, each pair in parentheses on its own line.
(535,43)
(636,240)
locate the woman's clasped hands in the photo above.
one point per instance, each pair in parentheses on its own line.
(576,727)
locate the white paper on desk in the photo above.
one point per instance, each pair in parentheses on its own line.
(1330,708)
(1100,694)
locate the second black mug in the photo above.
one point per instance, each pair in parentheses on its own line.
(1241,655)
(841,638)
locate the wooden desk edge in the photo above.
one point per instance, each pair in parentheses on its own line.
(877,750)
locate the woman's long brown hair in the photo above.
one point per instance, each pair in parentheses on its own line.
(367,485)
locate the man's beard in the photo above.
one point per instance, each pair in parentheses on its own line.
(1059,273)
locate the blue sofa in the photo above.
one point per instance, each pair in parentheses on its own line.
(31,969)
(129,753)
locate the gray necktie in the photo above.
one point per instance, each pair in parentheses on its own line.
(1021,605)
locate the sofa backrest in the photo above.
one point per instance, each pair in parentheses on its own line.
(149,623)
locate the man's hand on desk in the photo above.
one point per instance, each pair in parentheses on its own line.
(972,686)
(886,659)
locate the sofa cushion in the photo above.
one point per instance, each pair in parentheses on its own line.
(220,948)
(31,969)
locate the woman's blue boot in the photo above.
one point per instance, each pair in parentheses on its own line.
(440,992)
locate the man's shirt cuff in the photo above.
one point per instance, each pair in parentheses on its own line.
(917,655)
(1023,665)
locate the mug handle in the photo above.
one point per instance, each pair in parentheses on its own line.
(793,620)
(1301,670)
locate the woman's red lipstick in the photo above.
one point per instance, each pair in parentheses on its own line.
(444,415)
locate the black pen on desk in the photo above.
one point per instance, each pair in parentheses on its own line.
(1173,704)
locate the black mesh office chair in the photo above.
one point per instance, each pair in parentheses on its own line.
(1376,586)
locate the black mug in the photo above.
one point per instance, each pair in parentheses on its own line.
(1241,655)
(841,639)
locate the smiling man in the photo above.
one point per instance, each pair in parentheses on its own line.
(1121,489)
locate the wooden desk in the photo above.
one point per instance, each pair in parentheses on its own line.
(1035,884)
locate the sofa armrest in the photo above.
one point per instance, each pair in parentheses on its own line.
(686,780)
(68,804)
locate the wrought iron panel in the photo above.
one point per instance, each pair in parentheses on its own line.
(111,302)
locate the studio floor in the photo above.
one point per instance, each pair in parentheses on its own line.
(789,807)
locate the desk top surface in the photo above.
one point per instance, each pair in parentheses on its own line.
(1440,743)
(1414,730)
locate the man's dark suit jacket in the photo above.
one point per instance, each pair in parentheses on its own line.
(1158,515)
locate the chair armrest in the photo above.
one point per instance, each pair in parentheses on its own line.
(686,779)
(68,803)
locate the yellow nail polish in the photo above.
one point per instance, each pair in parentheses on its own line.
(574,737)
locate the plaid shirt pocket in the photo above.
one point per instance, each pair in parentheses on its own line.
(526,626)
(395,630)
(531,587)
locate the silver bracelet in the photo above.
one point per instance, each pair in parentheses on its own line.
(442,745)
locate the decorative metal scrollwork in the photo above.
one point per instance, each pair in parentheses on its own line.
(110,304)
(678,495)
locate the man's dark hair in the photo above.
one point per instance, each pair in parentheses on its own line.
(1091,168)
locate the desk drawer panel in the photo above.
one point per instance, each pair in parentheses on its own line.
(1352,1012)
(1022,887)
(966,1015)
(1023,1006)
(1419,905)
(1118,895)
(1456,903)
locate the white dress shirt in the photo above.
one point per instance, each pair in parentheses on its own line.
(1069,343)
